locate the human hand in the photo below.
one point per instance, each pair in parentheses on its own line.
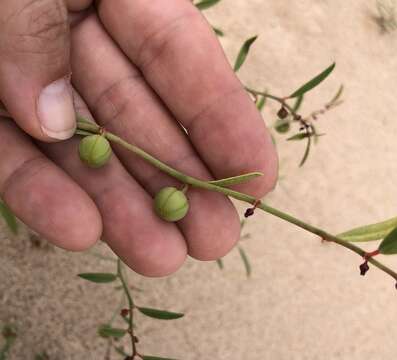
(144,70)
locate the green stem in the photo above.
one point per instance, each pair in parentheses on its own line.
(185,179)
(131,306)
(273,97)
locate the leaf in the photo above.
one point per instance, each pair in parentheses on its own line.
(235,180)
(160,314)
(242,55)
(82,132)
(9,217)
(218,31)
(106,331)
(307,151)
(337,95)
(246,261)
(148,357)
(219,262)
(260,104)
(370,232)
(120,350)
(298,103)
(99,278)
(389,244)
(206,4)
(299,136)
(282,126)
(313,82)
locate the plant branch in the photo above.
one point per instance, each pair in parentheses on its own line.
(185,179)
(131,307)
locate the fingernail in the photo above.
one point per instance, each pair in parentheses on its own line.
(56,111)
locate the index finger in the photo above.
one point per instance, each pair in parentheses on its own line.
(181,58)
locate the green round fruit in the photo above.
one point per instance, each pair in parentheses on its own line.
(95,150)
(171,204)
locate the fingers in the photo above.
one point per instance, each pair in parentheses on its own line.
(147,244)
(181,59)
(34,67)
(127,106)
(42,196)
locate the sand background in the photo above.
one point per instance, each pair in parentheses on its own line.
(305,300)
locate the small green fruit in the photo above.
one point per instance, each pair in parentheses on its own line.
(171,204)
(95,150)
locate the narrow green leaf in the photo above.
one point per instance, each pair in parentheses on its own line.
(9,218)
(219,262)
(246,262)
(282,126)
(370,232)
(337,95)
(389,244)
(106,331)
(148,357)
(243,53)
(307,151)
(120,350)
(298,103)
(299,136)
(218,31)
(313,82)
(100,278)
(235,180)
(206,4)
(260,104)
(82,132)
(160,314)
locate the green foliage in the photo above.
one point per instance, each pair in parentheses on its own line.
(299,136)
(236,180)
(313,82)
(218,31)
(370,232)
(206,4)
(389,244)
(307,150)
(9,335)
(246,262)
(220,264)
(282,126)
(243,53)
(160,314)
(107,331)
(260,104)
(9,217)
(99,278)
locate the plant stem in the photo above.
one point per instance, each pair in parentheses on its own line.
(130,307)
(185,179)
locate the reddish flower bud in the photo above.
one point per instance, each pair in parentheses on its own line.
(282,113)
(124,312)
(364,268)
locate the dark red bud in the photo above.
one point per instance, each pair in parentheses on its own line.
(282,113)
(364,268)
(249,212)
(124,312)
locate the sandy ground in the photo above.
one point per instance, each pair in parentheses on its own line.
(305,299)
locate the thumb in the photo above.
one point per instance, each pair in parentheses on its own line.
(34,67)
